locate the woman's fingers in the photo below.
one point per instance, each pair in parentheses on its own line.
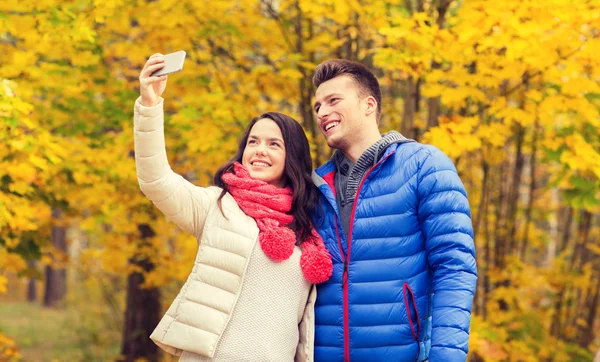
(155,55)
(151,80)
(154,60)
(150,69)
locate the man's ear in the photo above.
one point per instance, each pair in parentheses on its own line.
(371,106)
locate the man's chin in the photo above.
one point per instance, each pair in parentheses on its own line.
(334,142)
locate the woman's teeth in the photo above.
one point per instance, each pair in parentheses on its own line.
(261,164)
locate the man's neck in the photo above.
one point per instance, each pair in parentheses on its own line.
(356,150)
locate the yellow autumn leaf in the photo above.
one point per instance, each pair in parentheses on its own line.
(39,162)
(291,74)
(593,248)
(14,262)
(3,283)
(85,58)
(22,171)
(20,187)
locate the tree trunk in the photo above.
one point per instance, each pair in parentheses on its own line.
(555,326)
(558,305)
(532,186)
(583,232)
(575,309)
(570,296)
(433,104)
(594,304)
(305,87)
(31,291)
(357,39)
(480,292)
(411,108)
(143,311)
(417,100)
(32,285)
(487,288)
(408,117)
(433,108)
(588,334)
(499,241)
(566,230)
(513,205)
(500,235)
(56,278)
(554,244)
(484,189)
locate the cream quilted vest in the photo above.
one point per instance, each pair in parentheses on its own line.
(199,315)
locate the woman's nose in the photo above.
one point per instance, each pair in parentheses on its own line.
(260,150)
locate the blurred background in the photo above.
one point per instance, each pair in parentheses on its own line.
(508,89)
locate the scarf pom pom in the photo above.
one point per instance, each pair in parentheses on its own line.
(315,263)
(278,243)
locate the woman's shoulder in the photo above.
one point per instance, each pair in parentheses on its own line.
(213,191)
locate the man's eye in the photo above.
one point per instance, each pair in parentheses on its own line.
(334,100)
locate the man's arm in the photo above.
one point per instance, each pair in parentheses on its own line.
(445,219)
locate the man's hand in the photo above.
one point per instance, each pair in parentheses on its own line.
(151,88)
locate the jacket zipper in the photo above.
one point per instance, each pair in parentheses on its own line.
(346,259)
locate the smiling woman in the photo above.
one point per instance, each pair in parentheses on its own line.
(274,149)
(264,155)
(263,196)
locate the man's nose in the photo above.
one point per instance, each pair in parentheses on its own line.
(323,113)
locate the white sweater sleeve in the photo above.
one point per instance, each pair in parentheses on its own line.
(181,201)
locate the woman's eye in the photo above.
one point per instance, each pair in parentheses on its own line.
(275,144)
(251,142)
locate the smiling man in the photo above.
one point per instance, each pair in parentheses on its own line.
(397,223)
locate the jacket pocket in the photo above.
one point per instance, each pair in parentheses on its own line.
(412,311)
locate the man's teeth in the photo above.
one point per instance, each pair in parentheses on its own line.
(258,163)
(331,125)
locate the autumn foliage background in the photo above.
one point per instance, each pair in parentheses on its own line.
(508,89)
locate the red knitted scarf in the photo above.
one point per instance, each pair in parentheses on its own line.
(269,206)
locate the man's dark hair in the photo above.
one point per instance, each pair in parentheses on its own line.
(364,78)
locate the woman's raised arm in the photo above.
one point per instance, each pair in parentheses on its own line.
(181,201)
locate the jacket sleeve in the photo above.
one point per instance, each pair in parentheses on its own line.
(181,201)
(445,219)
(306,330)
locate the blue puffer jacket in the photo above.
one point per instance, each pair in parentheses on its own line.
(407,271)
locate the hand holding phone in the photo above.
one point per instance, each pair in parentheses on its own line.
(153,78)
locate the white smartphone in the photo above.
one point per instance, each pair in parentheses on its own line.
(173,64)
